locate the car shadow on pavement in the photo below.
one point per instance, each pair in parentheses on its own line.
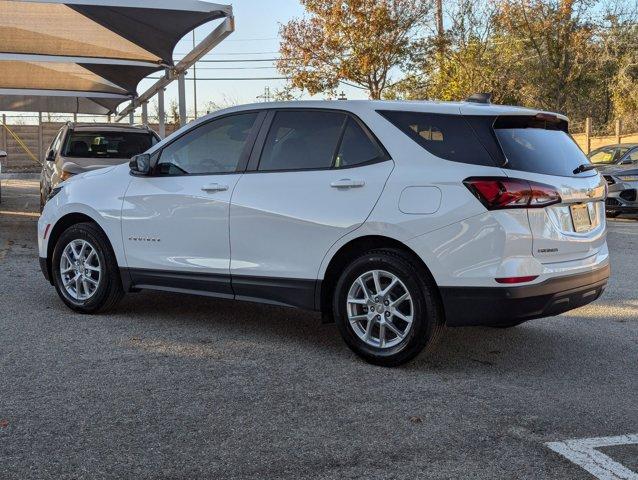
(536,346)
(229,319)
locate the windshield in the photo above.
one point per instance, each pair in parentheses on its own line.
(108,144)
(607,156)
(541,150)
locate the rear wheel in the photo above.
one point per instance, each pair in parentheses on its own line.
(387,310)
(84,268)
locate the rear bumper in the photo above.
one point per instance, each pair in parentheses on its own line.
(465,306)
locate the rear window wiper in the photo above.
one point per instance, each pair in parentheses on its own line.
(585,167)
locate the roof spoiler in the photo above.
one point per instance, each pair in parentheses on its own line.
(484,98)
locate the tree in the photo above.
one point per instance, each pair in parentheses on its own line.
(173,113)
(358,41)
(573,56)
(468,58)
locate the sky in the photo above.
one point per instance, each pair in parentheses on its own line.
(256,36)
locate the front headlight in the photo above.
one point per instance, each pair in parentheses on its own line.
(629,178)
(54,192)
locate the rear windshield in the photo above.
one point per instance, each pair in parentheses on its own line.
(107,144)
(539,148)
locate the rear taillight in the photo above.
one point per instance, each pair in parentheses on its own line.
(502,192)
(510,280)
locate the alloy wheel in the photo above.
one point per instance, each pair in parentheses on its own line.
(380,309)
(80,270)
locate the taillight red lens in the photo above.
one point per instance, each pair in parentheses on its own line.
(502,192)
(510,280)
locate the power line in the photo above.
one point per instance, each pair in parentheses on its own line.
(237,60)
(251,39)
(226,78)
(233,79)
(237,68)
(234,53)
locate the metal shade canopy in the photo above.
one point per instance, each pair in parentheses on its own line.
(88,56)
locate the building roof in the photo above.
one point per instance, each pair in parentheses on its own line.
(88,56)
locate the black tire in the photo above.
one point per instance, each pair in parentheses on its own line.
(109,290)
(428,317)
(612,214)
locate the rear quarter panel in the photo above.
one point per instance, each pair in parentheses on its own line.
(460,242)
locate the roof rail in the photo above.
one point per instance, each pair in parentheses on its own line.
(485,98)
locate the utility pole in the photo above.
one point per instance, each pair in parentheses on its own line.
(266,95)
(439,29)
(439,19)
(194,81)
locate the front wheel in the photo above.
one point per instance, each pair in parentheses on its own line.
(386,308)
(85,271)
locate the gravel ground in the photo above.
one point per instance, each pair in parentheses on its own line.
(183,387)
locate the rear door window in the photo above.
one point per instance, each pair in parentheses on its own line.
(357,147)
(302,140)
(447,136)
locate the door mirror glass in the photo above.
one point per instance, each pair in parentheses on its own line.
(51,156)
(140,164)
(3,154)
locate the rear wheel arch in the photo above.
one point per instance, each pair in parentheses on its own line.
(352,250)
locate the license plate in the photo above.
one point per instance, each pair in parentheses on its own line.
(580,217)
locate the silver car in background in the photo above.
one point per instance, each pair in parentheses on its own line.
(619,165)
(79,148)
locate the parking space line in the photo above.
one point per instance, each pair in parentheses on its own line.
(582,452)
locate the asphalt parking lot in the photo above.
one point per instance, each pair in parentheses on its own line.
(182,387)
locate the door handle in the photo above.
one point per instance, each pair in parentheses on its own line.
(214,187)
(347,183)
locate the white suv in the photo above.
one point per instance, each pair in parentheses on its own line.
(391,218)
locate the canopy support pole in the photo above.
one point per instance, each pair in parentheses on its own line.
(145,113)
(162,116)
(40,155)
(181,91)
(131,117)
(211,41)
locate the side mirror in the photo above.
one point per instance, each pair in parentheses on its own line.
(3,154)
(50,156)
(626,162)
(140,164)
